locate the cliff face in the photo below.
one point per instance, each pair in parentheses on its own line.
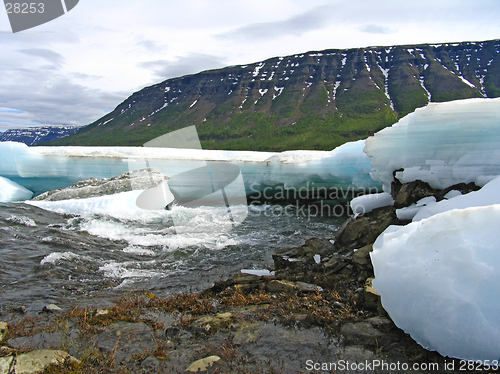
(315,100)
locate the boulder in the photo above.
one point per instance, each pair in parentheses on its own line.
(364,230)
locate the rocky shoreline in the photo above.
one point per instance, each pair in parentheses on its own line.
(316,312)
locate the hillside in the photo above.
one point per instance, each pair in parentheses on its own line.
(37,134)
(314,100)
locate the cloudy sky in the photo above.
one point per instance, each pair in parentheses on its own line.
(78,67)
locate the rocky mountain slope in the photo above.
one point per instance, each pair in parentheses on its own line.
(314,100)
(37,134)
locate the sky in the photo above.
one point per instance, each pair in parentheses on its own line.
(80,66)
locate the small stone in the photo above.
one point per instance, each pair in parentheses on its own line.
(335,264)
(372,297)
(210,323)
(150,363)
(3,331)
(306,287)
(207,365)
(172,332)
(20,309)
(102,312)
(338,304)
(51,308)
(282,286)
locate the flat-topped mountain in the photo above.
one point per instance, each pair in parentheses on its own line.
(313,100)
(37,134)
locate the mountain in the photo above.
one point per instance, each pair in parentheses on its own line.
(37,134)
(314,100)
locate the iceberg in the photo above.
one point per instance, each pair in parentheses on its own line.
(438,276)
(11,191)
(442,144)
(438,280)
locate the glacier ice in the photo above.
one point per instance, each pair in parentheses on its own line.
(487,195)
(11,191)
(366,203)
(438,280)
(442,144)
(44,168)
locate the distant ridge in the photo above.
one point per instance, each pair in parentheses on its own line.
(37,134)
(313,100)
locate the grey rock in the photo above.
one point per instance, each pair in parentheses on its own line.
(92,187)
(51,308)
(366,229)
(151,363)
(34,362)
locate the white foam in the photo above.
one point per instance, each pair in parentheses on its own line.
(21,220)
(57,257)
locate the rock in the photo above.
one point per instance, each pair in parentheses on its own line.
(372,297)
(462,187)
(92,187)
(336,263)
(210,324)
(307,287)
(125,339)
(20,309)
(51,308)
(354,353)
(362,257)
(207,365)
(361,333)
(35,361)
(412,192)
(303,257)
(151,363)
(6,364)
(3,331)
(282,286)
(101,312)
(366,229)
